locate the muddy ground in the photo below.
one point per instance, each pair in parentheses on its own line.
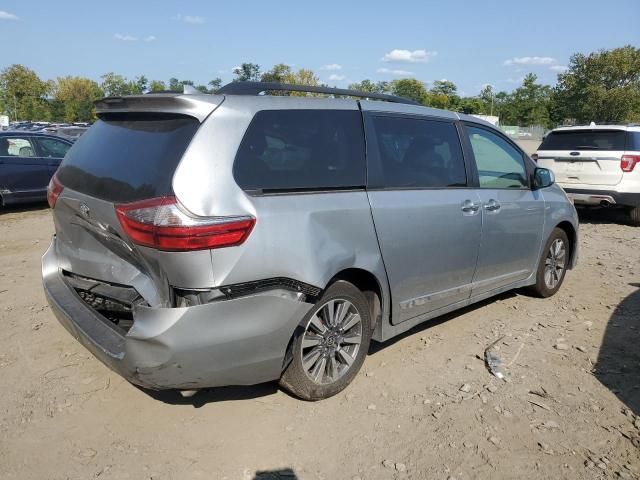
(423,406)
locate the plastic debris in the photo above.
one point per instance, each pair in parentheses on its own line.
(493,361)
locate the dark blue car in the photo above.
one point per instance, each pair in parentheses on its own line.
(27,162)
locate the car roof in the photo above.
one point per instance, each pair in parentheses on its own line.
(631,127)
(27,133)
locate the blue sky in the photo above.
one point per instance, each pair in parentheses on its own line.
(470,42)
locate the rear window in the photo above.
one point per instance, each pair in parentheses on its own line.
(289,150)
(584,140)
(128,157)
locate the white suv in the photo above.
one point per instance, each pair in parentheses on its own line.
(596,164)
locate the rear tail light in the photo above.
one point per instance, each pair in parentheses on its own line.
(628,162)
(163,224)
(534,157)
(53,191)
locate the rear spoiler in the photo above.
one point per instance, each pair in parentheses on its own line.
(197,106)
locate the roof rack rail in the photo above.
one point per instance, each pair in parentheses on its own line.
(256,88)
(597,124)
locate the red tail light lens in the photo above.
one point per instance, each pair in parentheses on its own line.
(53,191)
(162,224)
(628,162)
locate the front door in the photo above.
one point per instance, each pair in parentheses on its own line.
(427,219)
(512,213)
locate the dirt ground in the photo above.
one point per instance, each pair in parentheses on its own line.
(423,406)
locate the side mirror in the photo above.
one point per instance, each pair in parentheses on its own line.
(543,178)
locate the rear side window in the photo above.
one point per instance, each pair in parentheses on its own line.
(584,140)
(633,141)
(416,153)
(52,148)
(288,150)
(128,157)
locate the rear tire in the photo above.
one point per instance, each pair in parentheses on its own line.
(634,216)
(553,264)
(331,346)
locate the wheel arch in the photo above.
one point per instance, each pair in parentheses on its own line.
(368,284)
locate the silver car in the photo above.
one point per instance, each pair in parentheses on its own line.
(237,238)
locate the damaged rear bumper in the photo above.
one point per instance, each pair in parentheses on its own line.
(240,341)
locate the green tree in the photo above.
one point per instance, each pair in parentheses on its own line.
(410,88)
(531,102)
(371,87)
(73,99)
(247,72)
(444,94)
(602,87)
(471,105)
(176,85)
(444,87)
(301,77)
(140,85)
(157,86)
(215,84)
(23,95)
(114,85)
(278,74)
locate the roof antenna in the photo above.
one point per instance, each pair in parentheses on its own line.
(189,90)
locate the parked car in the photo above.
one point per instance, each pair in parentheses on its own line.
(208,240)
(27,162)
(596,165)
(71,133)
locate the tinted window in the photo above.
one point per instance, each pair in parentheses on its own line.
(584,140)
(500,165)
(419,153)
(302,149)
(16,147)
(128,157)
(633,141)
(53,148)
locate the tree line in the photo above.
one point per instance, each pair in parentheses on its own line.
(602,86)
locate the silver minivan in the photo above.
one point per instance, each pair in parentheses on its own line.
(238,238)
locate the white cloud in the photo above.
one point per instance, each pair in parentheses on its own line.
(193,19)
(125,38)
(332,66)
(407,56)
(336,78)
(150,38)
(397,73)
(559,68)
(530,61)
(7,16)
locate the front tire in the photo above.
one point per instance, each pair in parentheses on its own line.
(553,264)
(331,346)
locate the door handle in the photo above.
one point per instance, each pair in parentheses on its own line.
(469,207)
(492,205)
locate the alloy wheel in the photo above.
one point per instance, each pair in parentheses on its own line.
(331,341)
(554,264)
